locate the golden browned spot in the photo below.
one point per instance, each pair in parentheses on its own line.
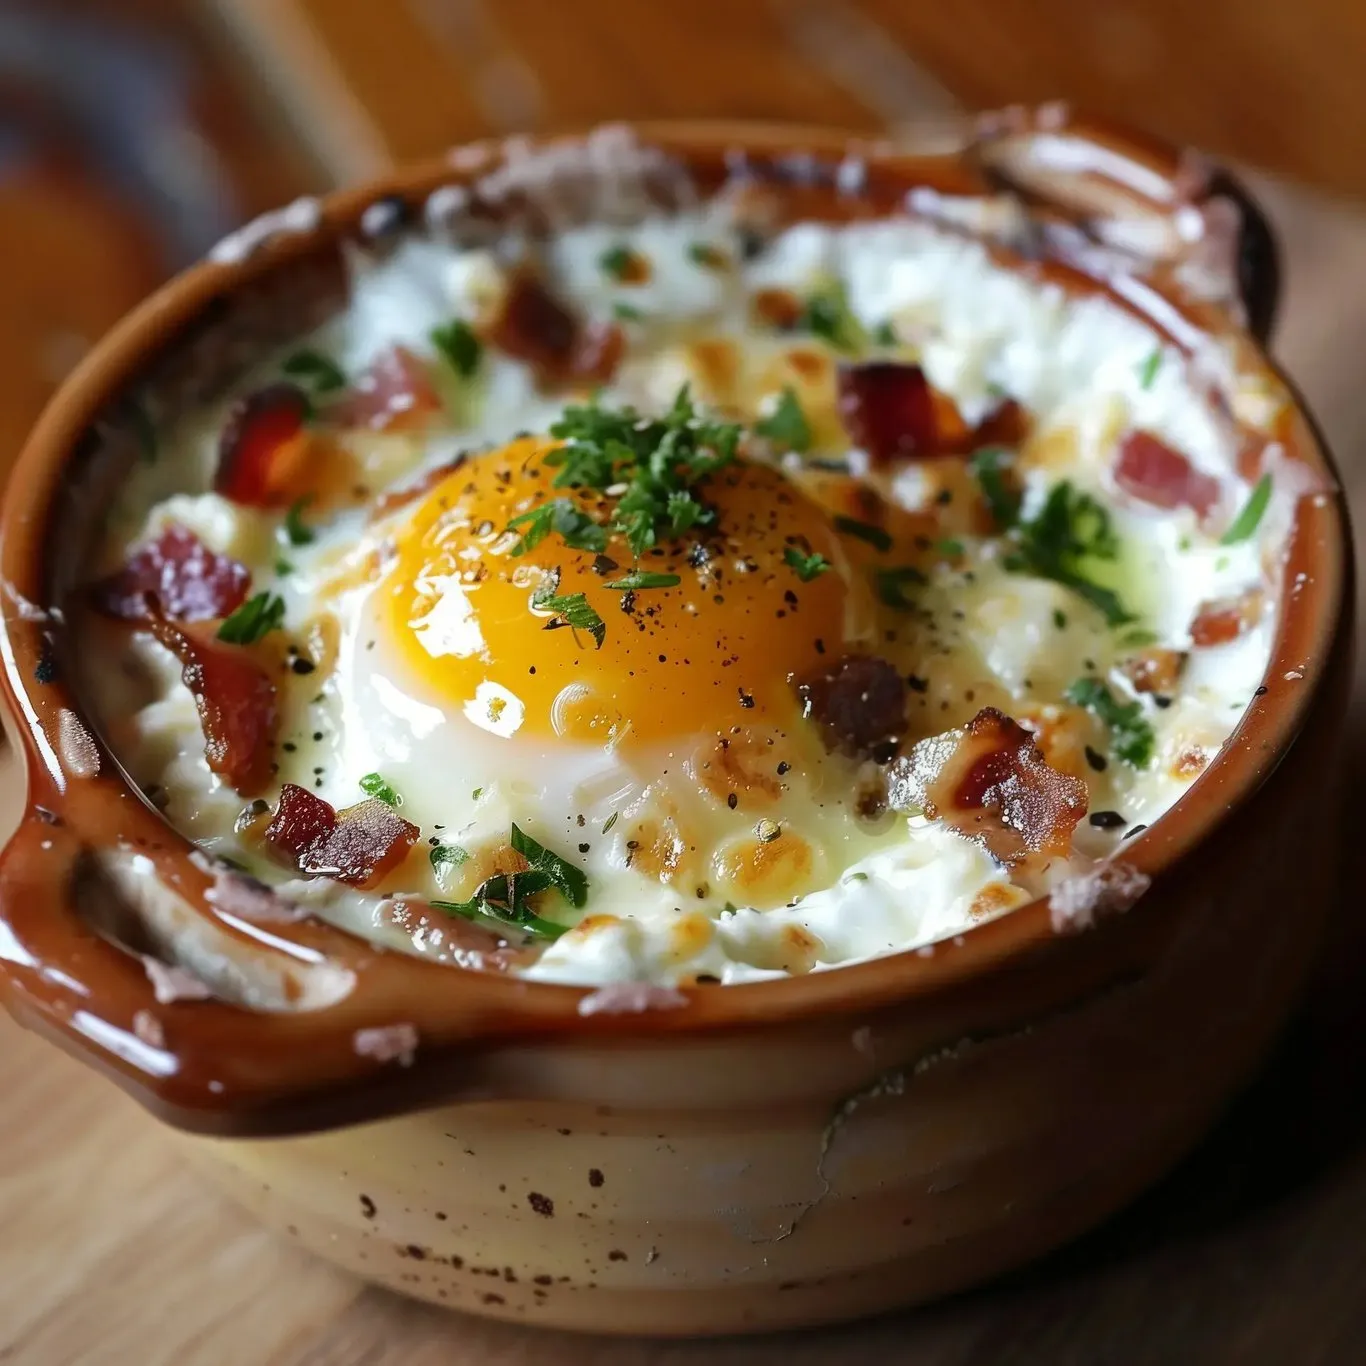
(1062,733)
(741,769)
(689,935)
(994,898)
(1054,448)
(779,308)
(656,848)
(715,366)
(1190,761)
(767,871)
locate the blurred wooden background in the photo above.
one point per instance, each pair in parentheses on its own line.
(133,132)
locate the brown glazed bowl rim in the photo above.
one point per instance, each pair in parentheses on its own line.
(214,1077)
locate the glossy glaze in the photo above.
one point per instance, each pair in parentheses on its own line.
(786,1152)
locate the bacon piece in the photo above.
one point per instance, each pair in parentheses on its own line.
(888,409)
(1151,471)
(1007,424)
(1155,670)
(598,352)
(861,703)
(1225,619)
(236,702)
(395,394)
(189,581)
(536,327)
(990,782)
(360,845)
(264,447)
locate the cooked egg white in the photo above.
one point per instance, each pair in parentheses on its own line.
(663,762)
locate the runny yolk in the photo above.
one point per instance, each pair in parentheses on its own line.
(719,649)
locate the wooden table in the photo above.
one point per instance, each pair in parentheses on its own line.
(112,1254)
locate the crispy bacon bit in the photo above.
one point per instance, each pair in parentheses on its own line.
(236,701)
(1225,619)
(1149,470)
(264,446)
(990,782)
(189,581)
(888,409)
(360,845)
(861,703)
(1155,670)
(536,327)
(779,308)
(1007,424)
(395,394)
(598,352)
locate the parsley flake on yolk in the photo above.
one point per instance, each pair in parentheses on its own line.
(469,616)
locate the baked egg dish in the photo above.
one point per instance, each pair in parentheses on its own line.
(697,599)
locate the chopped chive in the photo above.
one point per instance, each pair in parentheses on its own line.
(256,617)
(322,372)
(373,785)
(807,567)
(643,578)
(296,533)
(1147,372)
(892,583)
(990,466)
(865,531)
(1245,524)
(611,821)
(459,346)
(616,261)
(628,313)
(786,425)
(1130,732)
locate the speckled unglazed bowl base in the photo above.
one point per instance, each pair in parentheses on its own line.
(759,1156)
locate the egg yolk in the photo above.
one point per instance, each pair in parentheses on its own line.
(719,649)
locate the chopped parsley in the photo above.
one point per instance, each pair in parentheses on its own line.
(786,426)
(576,528)
(827,314)
(296,533)
(448,856)
(706,255)
(643,578)
(884,334)
(865,531)
(373,785)
(256,617)
(573,610)
(1245,524)
(322,373)
(1147,372)
(506,897)
(628,313)
(807,567)
(892,584)
(659,461)
(459,346)
(1067,531)
(989,467)
(1130,733)
(951,547)
(283,567)
(616,261)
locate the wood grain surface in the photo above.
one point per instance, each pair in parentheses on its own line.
(112,1253)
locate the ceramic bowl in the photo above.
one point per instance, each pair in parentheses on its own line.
(759,1156)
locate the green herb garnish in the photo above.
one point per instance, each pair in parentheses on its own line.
(322,373)
(643,578)
(573,610)
(458,345)
(705,254)
(1068,530)
(786,426)
(955,549)
(659,461)
(256,617)
(373,785)
(1147,372)
(283,567)
(569,881)
(616,261)
(578,530)
(628,313)
(1060,619)
(1130,732)
(865,531)
(807,567)
(884,334)
(892,584)
(296,533)
(447,856)
(1245,524)
(827,314)
(989,467)
(611,821)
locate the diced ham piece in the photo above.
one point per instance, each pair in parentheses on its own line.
(263,453)
(236,700)
(861,704)
(534,326)
(1155,670)
(990,782)
(1225,619)
(189,581)
(888,410)
(395,394)
(360,845)
(1151,471)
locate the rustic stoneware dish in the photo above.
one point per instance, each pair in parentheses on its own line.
(782,1153)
